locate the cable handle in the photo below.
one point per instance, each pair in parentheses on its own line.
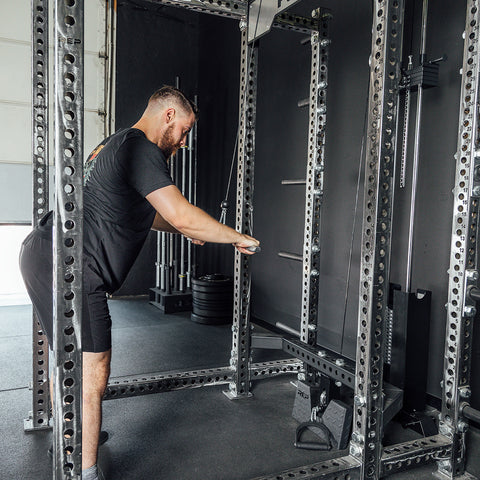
(311,446)
(325,444)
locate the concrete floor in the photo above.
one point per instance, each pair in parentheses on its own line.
(186,435)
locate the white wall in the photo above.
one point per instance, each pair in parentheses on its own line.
(15,100)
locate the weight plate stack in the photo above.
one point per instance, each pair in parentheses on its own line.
(212,299)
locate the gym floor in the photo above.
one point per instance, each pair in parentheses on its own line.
(195,434)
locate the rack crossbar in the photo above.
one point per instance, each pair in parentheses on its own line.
(324,361)
(238,10)
(412,454)
(146,384)
(396,458)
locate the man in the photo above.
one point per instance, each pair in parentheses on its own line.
(127,192)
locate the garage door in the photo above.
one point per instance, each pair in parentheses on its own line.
(16,102)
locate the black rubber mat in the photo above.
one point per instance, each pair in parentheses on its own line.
(195,434)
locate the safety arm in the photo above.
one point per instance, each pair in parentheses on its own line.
(193,222)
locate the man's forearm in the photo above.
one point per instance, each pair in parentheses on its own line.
(198,224)
(190,220)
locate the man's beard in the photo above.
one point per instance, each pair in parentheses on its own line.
(168,145)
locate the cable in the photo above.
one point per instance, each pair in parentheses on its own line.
(349,268)
(224,205)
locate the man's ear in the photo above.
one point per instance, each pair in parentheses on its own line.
(169,115)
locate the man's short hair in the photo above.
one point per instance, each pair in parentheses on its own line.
(168,93)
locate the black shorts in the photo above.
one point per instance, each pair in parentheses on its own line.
(36,266)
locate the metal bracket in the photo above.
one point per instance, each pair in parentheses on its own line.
(261,14)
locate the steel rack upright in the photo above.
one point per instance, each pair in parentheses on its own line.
(463,271)
(38,418)
(68,237)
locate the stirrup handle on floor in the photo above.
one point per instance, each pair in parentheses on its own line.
(325,445)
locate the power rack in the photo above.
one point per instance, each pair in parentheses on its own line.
(367,458)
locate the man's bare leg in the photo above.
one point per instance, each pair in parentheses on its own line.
(96,370)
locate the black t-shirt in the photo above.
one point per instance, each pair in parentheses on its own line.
(118,175)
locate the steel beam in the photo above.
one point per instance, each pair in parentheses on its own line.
(395,458)
(322,360)
(240,356)
(296,23)
(146,384)
(68,238)
(40,108)
(39,416)
(231,9)
(414,453)
(463,270)
(342,468)
(237,10)
(262,370)
(314,183)
(385,77)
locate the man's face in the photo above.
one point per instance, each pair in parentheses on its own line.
(176,133)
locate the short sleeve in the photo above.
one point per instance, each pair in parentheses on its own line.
(143,165)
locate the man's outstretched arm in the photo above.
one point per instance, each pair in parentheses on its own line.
(193,222)
(161,225)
